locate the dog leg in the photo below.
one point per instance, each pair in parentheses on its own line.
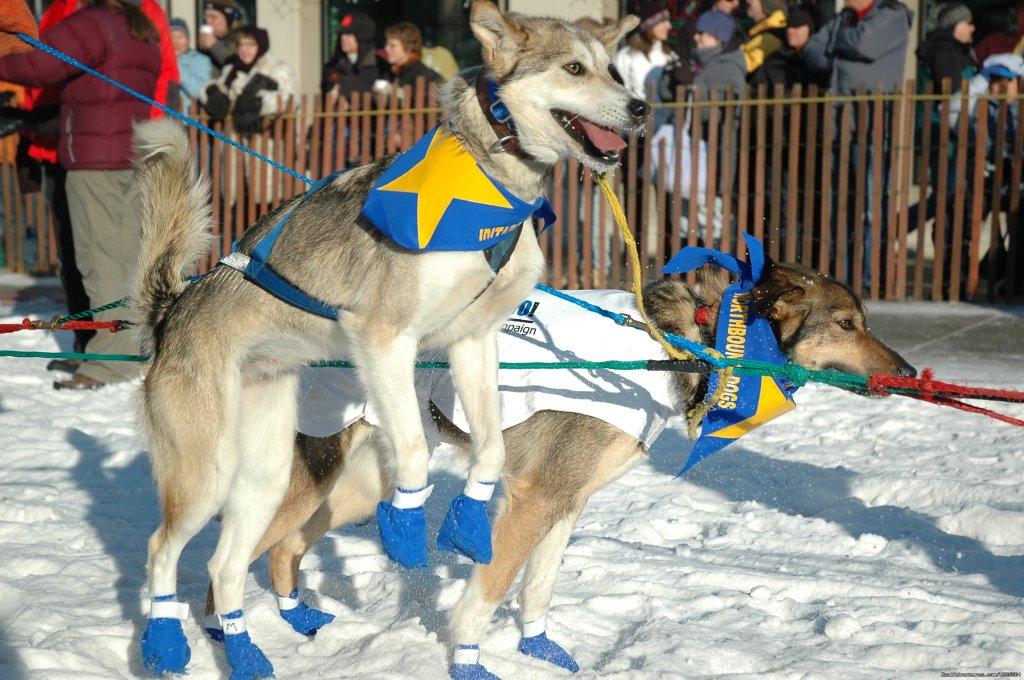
(535,595)
(185,454)
(474,368)
(523,520)
(266,446)
(387,370)
(357,491)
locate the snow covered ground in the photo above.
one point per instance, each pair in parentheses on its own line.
(852,538)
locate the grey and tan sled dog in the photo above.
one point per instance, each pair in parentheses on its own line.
(567,433)
(218,403)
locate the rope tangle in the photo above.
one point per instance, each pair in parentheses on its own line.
(696,415)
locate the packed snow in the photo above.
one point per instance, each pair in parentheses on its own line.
(851,538)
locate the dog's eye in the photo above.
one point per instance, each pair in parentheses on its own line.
(574,68)
(846,324)
(616,76)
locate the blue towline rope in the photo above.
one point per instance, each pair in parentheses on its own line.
(194,123)
(690,346)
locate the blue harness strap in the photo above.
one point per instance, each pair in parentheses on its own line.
(254,266)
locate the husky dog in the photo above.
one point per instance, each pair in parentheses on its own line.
(218,403)
(556,459)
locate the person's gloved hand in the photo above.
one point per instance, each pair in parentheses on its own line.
(259,82)
(15,17)
(246,114)
(217,103)
(10,122)
(848,18)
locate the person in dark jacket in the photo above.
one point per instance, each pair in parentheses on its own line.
(354,66)
(402,49)
(404,53)
(946,52)
(217,35)
(864,46)
(786,66)
(95,147)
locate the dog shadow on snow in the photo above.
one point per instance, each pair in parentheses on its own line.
(800,489)
(124,512)
(418,589)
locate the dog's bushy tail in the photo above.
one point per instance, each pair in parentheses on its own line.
(176,220)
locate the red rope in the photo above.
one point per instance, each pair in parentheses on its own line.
(936,392)
(30,325)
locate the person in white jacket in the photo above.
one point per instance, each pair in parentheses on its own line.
(646,48)
(254,84)
(253,87)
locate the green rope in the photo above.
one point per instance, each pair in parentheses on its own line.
(798,375)
(89,312)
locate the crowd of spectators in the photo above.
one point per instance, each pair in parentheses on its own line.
(862,49)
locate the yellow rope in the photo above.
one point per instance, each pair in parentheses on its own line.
(696,415)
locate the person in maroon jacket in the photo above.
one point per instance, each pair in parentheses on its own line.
(95,147)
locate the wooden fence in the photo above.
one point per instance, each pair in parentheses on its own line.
(839,184)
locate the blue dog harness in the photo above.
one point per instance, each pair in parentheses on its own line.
(497,248)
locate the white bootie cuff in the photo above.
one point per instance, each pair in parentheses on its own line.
(168,609)
(285,603)
(467,654)
(535,628)
(480,491)
(407,500)
(235,626)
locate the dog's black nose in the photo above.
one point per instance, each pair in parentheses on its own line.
(908,371)
(639,109)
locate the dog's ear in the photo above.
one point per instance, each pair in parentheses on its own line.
(611,35)
(780,294)
(497,33)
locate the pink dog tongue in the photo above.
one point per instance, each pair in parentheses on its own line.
(605,140)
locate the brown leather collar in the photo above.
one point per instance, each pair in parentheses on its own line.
(500,123)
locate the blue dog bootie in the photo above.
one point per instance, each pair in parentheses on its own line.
(164,646)
(535,643)
(247,661)
(213,628)
(302,618)
(403,527)
(466,665)
(466,529)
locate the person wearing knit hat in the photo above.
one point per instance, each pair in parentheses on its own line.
(222,17)
(946,52)
(194,67)
(354,65)
(952,14)
(716,24)
(767,35)
(651,14)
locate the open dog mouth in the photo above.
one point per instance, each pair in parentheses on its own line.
(597,141)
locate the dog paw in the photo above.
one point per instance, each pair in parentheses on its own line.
(466,530)
(403,533)
(164,647)
(540,647)
(300,616)
(470,671)
(247,661)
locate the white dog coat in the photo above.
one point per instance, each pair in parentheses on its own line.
(545,329)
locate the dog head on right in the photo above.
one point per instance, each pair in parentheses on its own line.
(559,84)
(821,324)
